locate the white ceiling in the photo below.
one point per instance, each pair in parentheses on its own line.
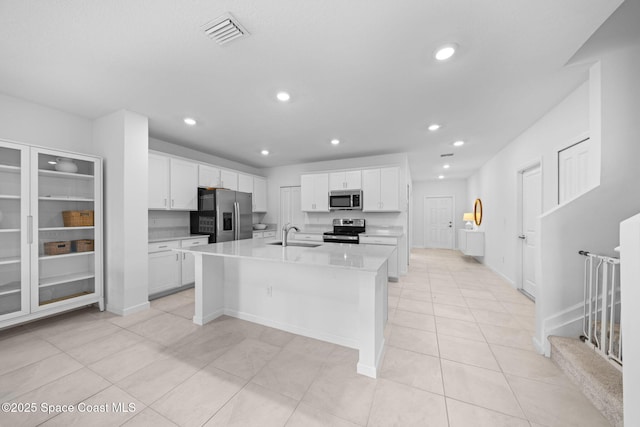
(358,70)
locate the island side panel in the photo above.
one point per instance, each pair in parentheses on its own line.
(209,288)
(372,320)
(315,301)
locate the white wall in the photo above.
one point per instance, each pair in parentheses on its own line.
(592,221)
(29,123)
(421,189)
(496,182)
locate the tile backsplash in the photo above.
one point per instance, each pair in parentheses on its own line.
(168,224)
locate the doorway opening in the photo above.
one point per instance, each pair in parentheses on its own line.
(438,222)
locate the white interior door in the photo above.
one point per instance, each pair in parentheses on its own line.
(438,222)
(531,210)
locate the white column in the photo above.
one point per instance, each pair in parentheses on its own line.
(122,139)
(630,317)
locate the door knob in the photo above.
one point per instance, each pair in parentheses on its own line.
(522,236)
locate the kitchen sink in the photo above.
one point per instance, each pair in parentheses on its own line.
(304,245)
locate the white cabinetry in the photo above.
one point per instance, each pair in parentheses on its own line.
(159,182)
(229,180)
(380,190)
(245,183)
(471,242)
(347,180)
(208,176)
(259,194)
(314,192)
(164,266)
(264,234)
(45,267)
(184,185)
(168,269)
(393,258)
(173,183)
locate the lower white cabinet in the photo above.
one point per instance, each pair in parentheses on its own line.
(471,242)
(168,269)
(387,241)
(264,234)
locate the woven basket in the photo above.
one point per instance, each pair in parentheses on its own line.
(77,218)
(83,245)
(57,248)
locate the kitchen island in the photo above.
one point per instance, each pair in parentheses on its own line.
(332,292)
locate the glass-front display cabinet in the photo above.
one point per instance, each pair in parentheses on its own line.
(51,216)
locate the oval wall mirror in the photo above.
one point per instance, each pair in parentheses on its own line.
(477,211)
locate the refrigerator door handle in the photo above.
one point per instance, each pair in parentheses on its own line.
(236,221)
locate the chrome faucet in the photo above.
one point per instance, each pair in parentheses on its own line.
(285,232)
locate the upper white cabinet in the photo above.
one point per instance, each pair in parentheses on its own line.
(347,180)
(314,192)
(159,182)
(380,189)
(51,232)
(245,183)
(173,183)
(184,185)
(259,194)
(229,180)
(208,176)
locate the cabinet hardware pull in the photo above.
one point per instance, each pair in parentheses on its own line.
(165,246)
(165,203)
(177,257)
(184,256)
(173,202)
(30,229)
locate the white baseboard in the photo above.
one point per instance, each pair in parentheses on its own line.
(120,311)
(208,318)
(372,371)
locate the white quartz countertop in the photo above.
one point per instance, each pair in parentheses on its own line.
(185,237)
(333,255)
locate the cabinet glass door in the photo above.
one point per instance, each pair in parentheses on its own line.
(66,207)
(14,247)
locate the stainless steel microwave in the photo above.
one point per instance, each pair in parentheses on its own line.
(345,200)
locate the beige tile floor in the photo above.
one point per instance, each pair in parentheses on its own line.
(458,354)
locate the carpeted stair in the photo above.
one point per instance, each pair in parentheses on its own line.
(600,381)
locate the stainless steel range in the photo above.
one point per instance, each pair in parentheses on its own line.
(345,231)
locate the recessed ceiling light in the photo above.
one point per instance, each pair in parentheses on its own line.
(445,52)
(265,152)
(458,143)
(189,121)
(434,127)
(447,166)
(283,96)
(51,162)
(335,141)
(440,176)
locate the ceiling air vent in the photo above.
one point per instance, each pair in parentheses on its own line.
(224,28)
(446,155)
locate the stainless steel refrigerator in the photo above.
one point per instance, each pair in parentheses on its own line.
(223,214)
